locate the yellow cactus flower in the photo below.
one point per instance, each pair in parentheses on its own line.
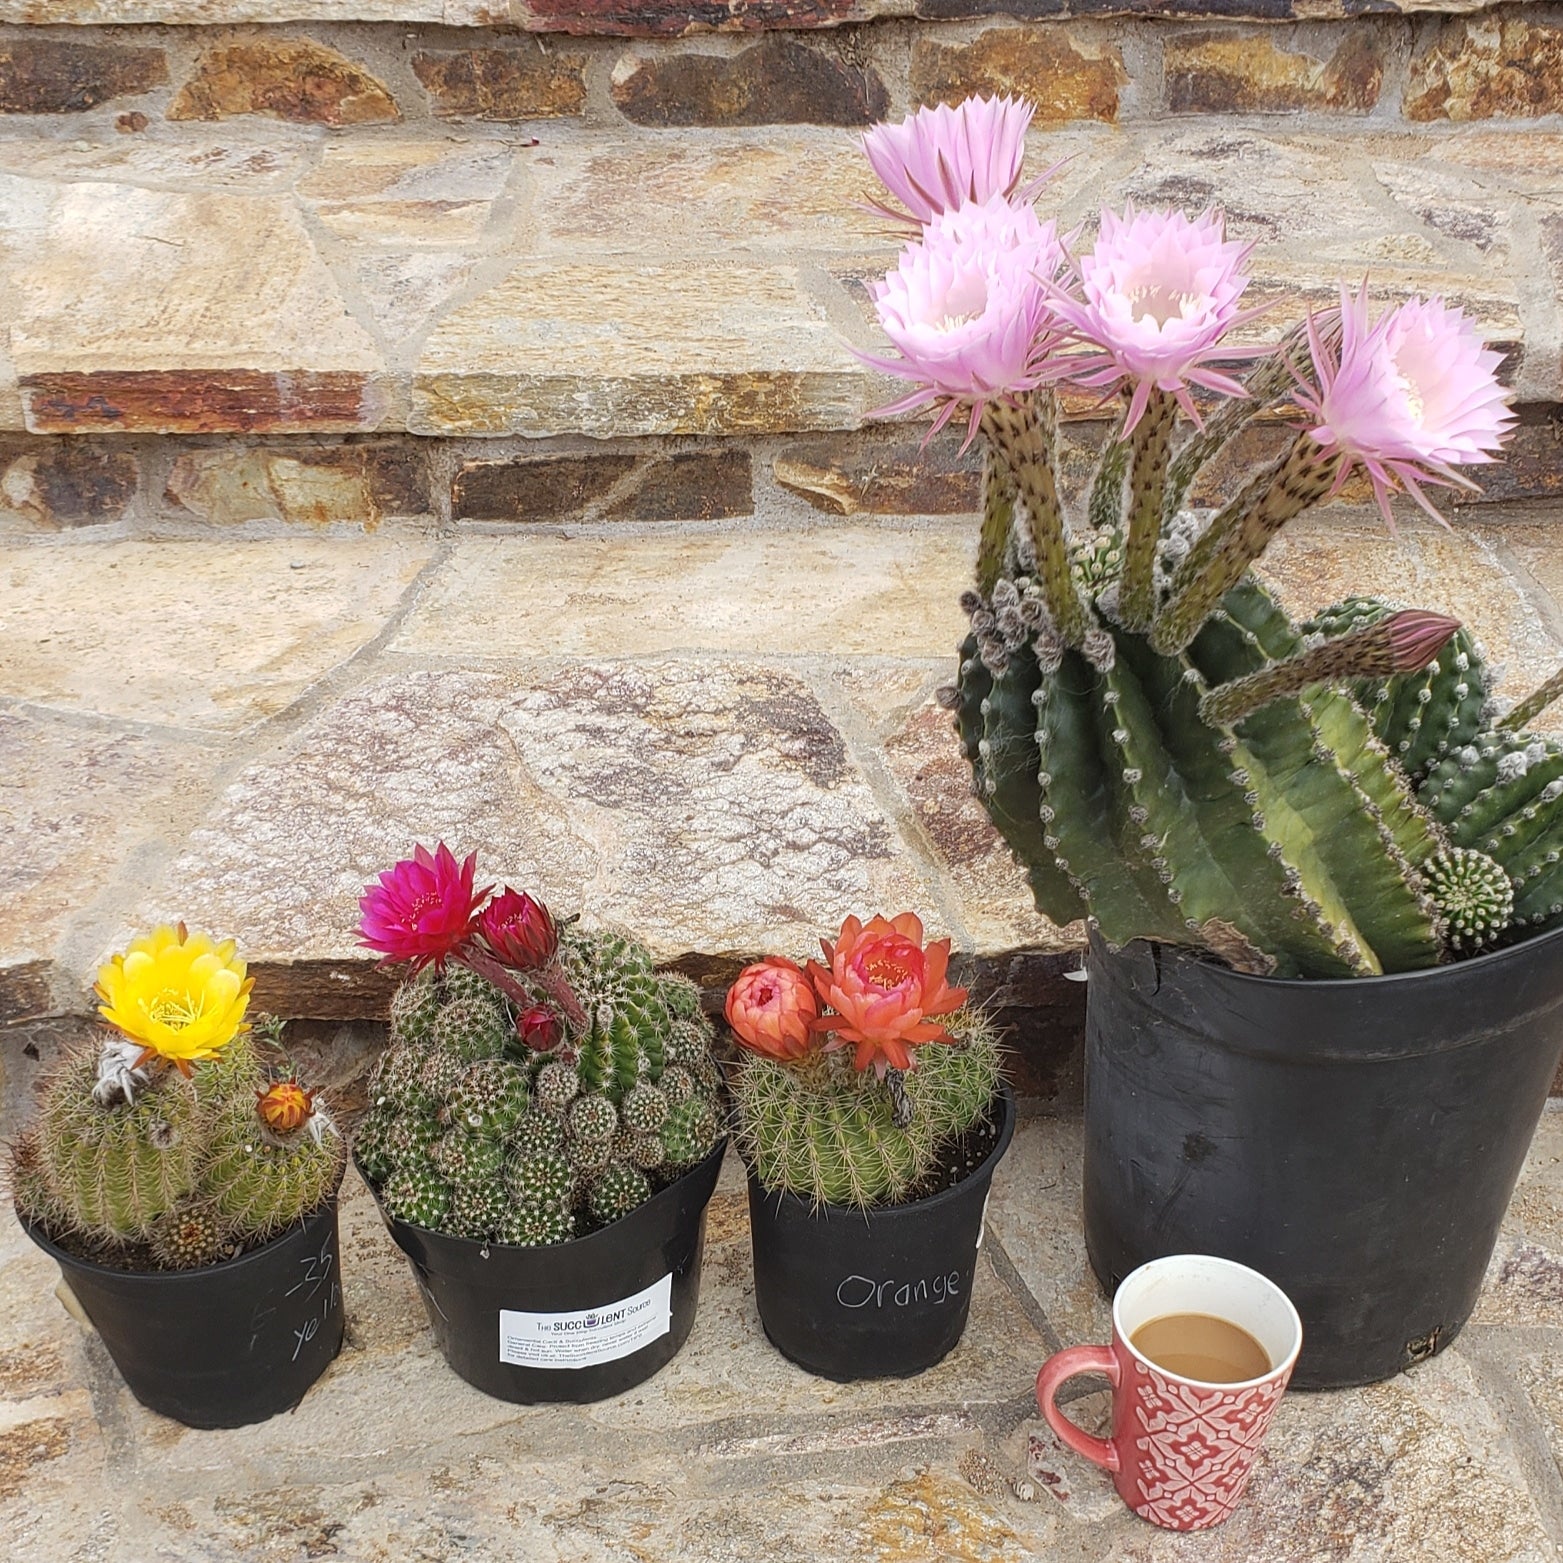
(181,995)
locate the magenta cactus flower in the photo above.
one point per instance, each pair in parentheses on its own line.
(1156,297)
(422,910)
(519,930)
(940,158)
(1407,398)
(967,307)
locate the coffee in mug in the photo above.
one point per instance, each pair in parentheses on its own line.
(1201,1352)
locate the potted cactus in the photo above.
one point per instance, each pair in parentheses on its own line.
(545,1132)
(870,1109)
(1321,866)
(180,1171)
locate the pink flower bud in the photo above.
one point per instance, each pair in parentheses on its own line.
(519,930)
(538,1027)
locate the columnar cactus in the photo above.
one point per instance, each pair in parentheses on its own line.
(174,1144)
(870,1125)
(540,1082)
(1165,751)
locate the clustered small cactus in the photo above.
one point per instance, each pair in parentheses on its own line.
(872,1124)
(176,1143)
(1165,750)
(541,1082)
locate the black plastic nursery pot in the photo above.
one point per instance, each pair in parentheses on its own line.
(227,1344)
(861,1294)
(1357,1140)
(576,1321)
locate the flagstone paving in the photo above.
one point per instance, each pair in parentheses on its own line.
(732,1453)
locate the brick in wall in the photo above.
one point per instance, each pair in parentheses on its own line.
(776,82)
(61,76)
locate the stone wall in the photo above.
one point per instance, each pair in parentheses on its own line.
(1505,63)
(137,486)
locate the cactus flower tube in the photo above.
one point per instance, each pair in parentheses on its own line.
(180,995)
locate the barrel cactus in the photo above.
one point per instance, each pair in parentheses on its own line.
(177,1142)
(1167,753)
(541,1081)
(858,1077)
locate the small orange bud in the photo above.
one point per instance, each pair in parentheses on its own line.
(285,1106)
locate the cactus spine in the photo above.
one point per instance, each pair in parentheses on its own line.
(504,1144)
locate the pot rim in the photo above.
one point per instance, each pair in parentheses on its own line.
(63,1256)
(1096,944)
(823,1210)
(574,1244)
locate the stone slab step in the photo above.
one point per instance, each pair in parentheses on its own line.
(249,279)
(723,737)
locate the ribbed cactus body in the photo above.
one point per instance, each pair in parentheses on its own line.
(187,1167)
(823,1131)
(1290,834)
(472,1132)
(117,1169)
(261,1183)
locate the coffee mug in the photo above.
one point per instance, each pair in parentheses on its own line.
(1181,1448)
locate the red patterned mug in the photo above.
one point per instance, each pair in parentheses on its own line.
(1181,1450)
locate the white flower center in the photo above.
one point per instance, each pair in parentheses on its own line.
(964,302)
(1158,302)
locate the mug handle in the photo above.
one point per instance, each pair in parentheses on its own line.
(1065,1365)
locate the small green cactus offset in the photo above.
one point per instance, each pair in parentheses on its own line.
(178,1142)
(541,1081)
(860,1076)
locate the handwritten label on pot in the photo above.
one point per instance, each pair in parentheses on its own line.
(582,1340)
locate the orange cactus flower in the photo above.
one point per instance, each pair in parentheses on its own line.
(285,1106)
(772,1008)
(885,987)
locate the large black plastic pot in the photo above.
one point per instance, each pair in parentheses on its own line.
(1356,1141)
(576,1321)
(860,1294)
(227,1344)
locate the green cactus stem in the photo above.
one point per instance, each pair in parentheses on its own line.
(1149,444)
(1021,437)
(260,1182)
(191,1236)
(114,1171)
(1396,643)
(1237,537)
(1534,704)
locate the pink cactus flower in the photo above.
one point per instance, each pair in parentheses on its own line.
(538,1027)
(940,158)
(1408,398)
(967,307)
(1156,296)
(519,930)
(422,910)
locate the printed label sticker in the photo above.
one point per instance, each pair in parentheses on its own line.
(582,1340)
